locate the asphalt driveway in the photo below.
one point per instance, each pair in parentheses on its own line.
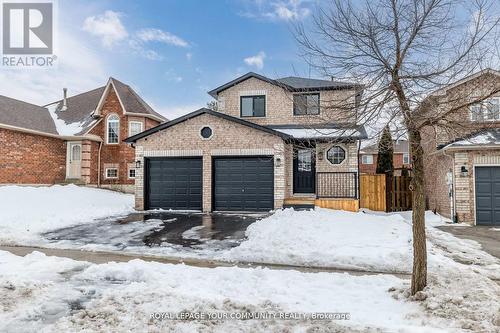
(488,237)
(168,231)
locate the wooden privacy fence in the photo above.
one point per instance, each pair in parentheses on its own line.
(372,192)
(385,193)
(399,194)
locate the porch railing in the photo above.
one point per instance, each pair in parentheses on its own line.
(337,185)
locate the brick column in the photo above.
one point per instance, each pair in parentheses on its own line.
(207,182)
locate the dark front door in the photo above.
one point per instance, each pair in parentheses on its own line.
(174,183)
(304,171)
(487,195)
(243,183)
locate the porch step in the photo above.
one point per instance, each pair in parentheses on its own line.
(300,201)
(299,207)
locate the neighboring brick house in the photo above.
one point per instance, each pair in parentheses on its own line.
(368,157)
(268,143)
(77,139)
(462,166)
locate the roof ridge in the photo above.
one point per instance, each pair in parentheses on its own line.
(85,92)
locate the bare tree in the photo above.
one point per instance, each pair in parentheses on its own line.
(402,51)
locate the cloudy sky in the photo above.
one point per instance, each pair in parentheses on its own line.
(171,52)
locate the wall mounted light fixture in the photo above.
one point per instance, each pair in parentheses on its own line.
(138,164)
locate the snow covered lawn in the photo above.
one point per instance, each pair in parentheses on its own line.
(25,212)
(326,237)
(40,293)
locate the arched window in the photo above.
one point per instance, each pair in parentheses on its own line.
(113,129)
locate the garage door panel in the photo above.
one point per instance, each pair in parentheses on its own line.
(174,183)
(487,189)
(244,183)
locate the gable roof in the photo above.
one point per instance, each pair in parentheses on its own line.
(443,90)
(80,115)
(132,102)
(291,83)
(400,147)
(20,114)
(198,113)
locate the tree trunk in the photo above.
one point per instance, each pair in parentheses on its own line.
(419,274)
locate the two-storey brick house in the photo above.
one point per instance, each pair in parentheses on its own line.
(268,143)
(77,139)
(462,160)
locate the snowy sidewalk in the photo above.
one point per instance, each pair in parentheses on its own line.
(102,257)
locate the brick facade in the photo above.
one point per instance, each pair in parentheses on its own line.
(31,159)
(440,165)
(120,155)
(229,139)
(279,104)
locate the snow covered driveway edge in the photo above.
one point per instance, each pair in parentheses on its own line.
(27,211)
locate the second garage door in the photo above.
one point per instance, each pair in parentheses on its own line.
(243,183)
(487,195)
(174,183)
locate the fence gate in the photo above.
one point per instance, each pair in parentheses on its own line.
(399,195)
(373,192)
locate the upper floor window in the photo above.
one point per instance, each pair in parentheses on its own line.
(488,110)
(406,158)
(113,129)
(253,106)
(134,127)
(305,104)
(366,159)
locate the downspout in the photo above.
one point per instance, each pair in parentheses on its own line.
(358,188)
(99,165)
(453,203)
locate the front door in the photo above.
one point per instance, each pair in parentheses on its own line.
(74,160)
(304,171)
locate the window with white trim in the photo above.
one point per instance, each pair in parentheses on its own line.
(487,110)
(134,127)
(112,173)
(113,129)
(366,159)
(406,158)
(131,173)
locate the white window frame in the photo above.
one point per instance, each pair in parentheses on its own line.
(363,161)
(406,158)
(107,129)
(135,122)
(106,173)
(484,110)
(128,173)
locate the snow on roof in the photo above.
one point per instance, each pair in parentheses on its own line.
(489,137)
(317,133)
(62,127)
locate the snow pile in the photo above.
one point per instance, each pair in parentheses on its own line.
(28,211)
(328,238)
(61,126)
(121,297)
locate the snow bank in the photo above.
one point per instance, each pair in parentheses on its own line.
(28,211)
(121,297)
(328,238)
